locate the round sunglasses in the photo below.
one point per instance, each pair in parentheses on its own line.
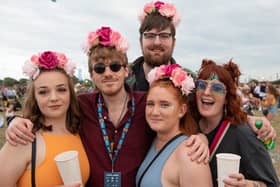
(215,87)
(101,67)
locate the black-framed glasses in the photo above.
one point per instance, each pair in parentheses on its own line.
(101,67)
(215,87)
(152,36)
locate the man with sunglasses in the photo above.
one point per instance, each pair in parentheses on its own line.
(157,41)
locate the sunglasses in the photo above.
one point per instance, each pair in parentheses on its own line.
(101,67)
(215,87)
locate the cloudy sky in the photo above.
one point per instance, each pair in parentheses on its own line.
(246,30)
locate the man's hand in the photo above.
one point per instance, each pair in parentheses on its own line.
(266,132)
(199,150)
(19,131)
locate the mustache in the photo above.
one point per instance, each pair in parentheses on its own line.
(157,48)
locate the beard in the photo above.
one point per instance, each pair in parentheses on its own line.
(154,61)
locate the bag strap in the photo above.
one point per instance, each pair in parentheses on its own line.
(157,155)
(33,163)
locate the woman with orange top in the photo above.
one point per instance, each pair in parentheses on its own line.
(52,106)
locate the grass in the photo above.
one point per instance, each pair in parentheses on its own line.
(275,154)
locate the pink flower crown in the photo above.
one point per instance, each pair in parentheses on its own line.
(105,36)
(176,74)
(165,9)
(47,60)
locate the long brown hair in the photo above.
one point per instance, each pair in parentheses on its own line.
(32,111)
(228,74)
(187,123)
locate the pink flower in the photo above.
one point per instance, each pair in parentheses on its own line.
(169,68)
(70,68)
(104,35)
(178,75)
(187,85)
(93,38)
(30,69)
(48,60)
(176,19)
(158,4)
(122,45)
(35,59)
(115,37)
(152,75)
(167,10)
(62,59)
(149,7)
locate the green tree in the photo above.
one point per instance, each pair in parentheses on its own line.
(9,82)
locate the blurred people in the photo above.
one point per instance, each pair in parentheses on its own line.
(52,107)
(269,103)
(10,111)
(224,124)
(166,163)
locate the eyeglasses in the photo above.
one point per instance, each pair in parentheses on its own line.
(215,87)
(163,36)
(114,66)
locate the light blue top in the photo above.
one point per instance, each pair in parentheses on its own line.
(152,177)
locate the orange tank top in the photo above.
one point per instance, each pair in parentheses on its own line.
(47,174)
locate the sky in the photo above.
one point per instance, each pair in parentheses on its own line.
(246,30)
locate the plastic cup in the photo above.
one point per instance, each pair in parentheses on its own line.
(69,167)
(227,163)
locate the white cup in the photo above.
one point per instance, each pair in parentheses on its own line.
(69,167)
(227,163)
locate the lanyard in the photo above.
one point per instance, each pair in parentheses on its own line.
(105,135)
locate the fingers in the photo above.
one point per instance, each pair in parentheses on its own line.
(235,180)
(19,132)
(266,132)
(199,151)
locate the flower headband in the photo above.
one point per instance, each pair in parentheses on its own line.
(47,60)
(105,36)
(165,9)
(176,74)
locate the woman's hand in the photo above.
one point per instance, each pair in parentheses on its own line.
(235,180)
(19,131)
(199,150)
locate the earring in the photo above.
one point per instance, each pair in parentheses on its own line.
(225,110)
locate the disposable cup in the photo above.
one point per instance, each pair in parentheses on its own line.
(227,163)
(69,167)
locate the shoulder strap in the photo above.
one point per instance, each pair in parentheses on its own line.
(150,164)
(33,163)
(218,137)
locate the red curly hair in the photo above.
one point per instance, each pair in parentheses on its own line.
(229,75)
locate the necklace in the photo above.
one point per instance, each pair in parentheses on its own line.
(123,109)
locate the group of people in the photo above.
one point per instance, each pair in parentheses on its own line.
(263,97)
(149,133)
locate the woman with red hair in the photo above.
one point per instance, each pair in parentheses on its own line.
(222,120)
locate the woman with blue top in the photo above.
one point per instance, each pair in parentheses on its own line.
(166,163)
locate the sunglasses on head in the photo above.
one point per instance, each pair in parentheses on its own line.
(101,67)
(215,87)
